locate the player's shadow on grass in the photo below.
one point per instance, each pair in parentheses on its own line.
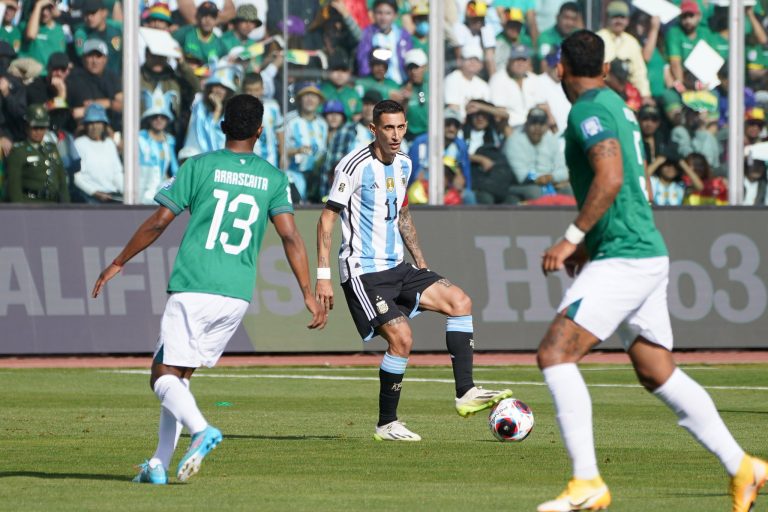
(283,438)
(64,476)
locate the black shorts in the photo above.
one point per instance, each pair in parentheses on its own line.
(376,298)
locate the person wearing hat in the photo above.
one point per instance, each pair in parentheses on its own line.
(51,89)
(420,18)
(474,31)
(100,179)
(339,87)
(9,32)
(692,136)
(512,35)
(157,72)
(94,82)
(619,44)
(682,37)
(97,26)
(378,80)
(199,41)
(754,123)
(557,104)
(269,145)
(42,34)
(363,126)
(568,19)
(306,136)
(342,134)
(414,95)
(536,158)
(655,140)
(34,170)
(384,33)
(514,88)
(246,20)
(157,147)
(158,16)
(463,84)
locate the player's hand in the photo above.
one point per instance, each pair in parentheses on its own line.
(319,315)
(324,293)
(554,258)
(576,261)
(108,273)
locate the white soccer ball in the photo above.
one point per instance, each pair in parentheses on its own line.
(511,420)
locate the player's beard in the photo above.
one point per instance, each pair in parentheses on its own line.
(565,90)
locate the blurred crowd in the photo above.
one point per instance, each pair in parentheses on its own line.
(320,66)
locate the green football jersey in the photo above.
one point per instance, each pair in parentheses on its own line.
(626,229)
(230,197)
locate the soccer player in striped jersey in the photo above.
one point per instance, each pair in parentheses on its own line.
(623,271)
(231,194)
(382,291)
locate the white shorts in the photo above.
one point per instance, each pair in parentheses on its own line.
(196,328)
(625,294)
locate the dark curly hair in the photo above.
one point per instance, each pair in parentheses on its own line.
(242,117)
(584,52)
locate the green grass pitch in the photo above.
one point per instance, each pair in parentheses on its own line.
(301,439)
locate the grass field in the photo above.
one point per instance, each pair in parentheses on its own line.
(301,439)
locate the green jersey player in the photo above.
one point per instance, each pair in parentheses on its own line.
(623,272)
(231,194)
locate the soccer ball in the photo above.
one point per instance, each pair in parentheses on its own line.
(511,420)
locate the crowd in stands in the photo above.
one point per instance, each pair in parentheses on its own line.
(320,70)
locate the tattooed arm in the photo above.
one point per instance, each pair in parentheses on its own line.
(605,160)
(410,238)
(323,287)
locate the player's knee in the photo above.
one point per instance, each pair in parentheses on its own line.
(400,344)
(545,357)
(650,379)
(461,305)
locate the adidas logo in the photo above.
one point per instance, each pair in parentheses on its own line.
(375,186)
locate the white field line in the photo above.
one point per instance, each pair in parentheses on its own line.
(439,381)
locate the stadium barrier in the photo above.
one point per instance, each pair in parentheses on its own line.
(50,258)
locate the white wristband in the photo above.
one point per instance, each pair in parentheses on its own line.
(323,273)
(574,235)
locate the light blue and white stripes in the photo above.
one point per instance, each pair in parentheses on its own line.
(394,364)
(459,323)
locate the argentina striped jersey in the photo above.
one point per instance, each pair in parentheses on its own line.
(370,195)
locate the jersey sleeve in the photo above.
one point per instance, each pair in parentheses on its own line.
(343,186)
(281,201)
(591,123)
(176,195)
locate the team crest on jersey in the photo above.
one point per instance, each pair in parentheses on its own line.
(390,184)
(591,126)
(342,186)
(381,305)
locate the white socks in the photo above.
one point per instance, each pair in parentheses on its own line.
(177,402)
(697,414)
(573,407)
(167,436)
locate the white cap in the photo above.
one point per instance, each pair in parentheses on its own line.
(415,56)
(472,50)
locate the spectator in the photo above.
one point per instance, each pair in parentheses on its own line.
(51,90)
(420,17)
(753,126)
(621,45)
(305,140)
(536,159)
(97,26)
(338,86)
(35,173)
(155,73)
(188,11)
(655,141)
(341,140)
(556,103)
(100,179)
(414,95)
(157,147)
(199,41)
(647,30)
(157,16)
(9,32)
(246,20)
(682,38)
(270,144)
(65,145)
(378,81)
(453,182)
(43,36)
(94,83)
(693,136)
(13,102)
(568,20)
(204,132)
(754,183)
(512,35)
(363,127)
(463,85)
(515,88)
(714,189)
(618,80)
(475,32)
(480,128)
(339,29)
(383,33)
(529,10)
(668,187)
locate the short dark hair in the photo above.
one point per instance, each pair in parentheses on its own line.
(252,78)
(386,107)
(242,117)
(584,52)
(569,6)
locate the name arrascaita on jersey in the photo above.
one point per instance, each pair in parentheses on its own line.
(242,179)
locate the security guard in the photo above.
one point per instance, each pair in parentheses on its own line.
(34,170)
